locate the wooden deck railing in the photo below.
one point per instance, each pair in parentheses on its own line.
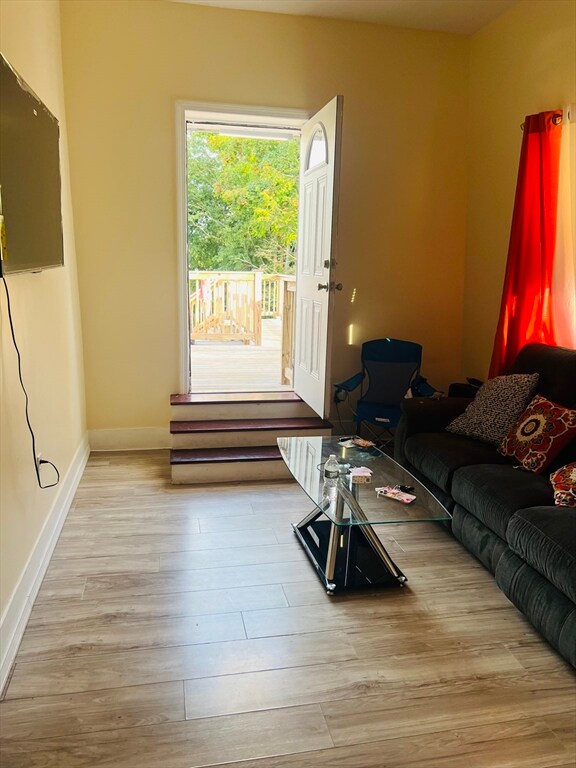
(288,293)
(229,306)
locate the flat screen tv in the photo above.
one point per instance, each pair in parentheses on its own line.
(29,178)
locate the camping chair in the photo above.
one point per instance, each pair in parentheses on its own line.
(389,368)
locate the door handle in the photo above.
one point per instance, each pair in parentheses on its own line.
(330,286)
(323,286)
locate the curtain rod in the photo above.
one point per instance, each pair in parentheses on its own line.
(558,118)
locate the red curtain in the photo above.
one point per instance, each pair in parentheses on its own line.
(526,309)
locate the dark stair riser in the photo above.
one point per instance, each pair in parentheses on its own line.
(248,425)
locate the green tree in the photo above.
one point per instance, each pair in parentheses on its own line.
(242,203)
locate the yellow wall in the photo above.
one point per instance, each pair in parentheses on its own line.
(523,63)
(402,205)
(46,319)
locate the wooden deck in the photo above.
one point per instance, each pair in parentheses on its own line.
(235,367)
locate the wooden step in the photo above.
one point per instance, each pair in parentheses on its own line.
(234,397)
(226,465)
(218,406)
(243,432)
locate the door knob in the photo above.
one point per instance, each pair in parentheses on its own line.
(337,287)
(330,286)
(323,286)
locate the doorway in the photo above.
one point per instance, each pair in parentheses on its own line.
(227,293)
(240,221)
(242,227)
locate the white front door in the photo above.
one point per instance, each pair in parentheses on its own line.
(317,216)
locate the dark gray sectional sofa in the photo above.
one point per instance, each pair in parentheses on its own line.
(503,515)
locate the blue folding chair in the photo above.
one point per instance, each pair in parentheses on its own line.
(389,368)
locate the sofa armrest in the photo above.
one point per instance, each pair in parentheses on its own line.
(425,415)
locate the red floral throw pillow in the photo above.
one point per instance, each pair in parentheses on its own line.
(540,434)
(564,484)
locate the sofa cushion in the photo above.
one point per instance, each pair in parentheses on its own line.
(496,408)
(437,455)
(493,493)
(483,543)
(541,432)
(545,537)
(546,607)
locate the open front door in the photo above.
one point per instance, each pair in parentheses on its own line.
(318,209)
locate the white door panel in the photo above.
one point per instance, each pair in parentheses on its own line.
(319,168)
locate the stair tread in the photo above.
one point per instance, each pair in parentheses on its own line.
(244,453)
(234,397)
(244,425)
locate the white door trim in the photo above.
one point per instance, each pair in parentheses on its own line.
(272,116)
(182,251)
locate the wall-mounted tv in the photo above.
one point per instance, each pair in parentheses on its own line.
(29,178)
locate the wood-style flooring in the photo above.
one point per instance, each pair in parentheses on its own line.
(183,627)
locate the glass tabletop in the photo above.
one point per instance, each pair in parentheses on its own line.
(346,502)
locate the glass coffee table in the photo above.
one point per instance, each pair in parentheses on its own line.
(338,534)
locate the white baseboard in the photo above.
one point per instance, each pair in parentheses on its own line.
(134,439)
(17,612)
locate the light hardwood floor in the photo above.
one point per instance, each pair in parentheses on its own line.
(180,627)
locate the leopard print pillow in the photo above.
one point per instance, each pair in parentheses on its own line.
(496,408)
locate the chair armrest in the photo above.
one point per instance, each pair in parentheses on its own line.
(349,385)
(426,415)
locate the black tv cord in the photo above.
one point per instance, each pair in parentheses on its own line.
(37,464)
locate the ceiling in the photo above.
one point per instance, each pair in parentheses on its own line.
(460,16)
